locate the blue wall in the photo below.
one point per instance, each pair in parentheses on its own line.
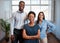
(57,18)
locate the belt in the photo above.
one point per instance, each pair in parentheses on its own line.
(18,29)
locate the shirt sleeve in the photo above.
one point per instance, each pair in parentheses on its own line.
(51,27)
(38,26)
(12,24)
(26,21)
(24,26)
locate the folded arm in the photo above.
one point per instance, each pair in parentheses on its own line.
(25,36)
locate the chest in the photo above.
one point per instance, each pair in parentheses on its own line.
(31,30)
(43,25)
(20,16)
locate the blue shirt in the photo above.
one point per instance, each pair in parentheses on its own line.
(31,31)
(43,27)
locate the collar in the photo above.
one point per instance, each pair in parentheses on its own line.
(42,22)
(20,11)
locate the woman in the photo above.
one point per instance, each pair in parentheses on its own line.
(31,31)
(43,24)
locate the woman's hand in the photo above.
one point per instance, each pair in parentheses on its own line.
(25,36)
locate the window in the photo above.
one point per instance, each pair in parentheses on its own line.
(36,6)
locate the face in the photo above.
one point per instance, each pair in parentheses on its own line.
(41,16)
(31,17)
(21,6)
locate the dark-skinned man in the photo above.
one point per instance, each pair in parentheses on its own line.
(17,23)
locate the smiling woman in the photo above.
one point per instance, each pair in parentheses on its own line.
(31,31)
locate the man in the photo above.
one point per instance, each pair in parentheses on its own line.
(17,23)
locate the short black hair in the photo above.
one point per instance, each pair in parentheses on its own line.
(31,12)
(21,2)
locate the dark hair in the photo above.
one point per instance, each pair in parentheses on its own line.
(31,12)
(38,17)
(21,2)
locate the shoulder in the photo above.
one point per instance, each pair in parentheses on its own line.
(14,13)
(48,22)
(45,21)
(37,26)
(25,25)
(25,13)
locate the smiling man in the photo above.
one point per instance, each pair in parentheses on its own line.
(17,23)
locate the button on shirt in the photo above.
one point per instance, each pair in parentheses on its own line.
(43,28)
(17,21)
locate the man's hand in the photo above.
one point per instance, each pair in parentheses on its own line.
(12,37)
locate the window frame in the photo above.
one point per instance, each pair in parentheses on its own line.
(52,7)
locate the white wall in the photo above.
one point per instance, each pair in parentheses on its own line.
(5,9)
(5,12)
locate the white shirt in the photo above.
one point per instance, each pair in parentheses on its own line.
(17,20)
